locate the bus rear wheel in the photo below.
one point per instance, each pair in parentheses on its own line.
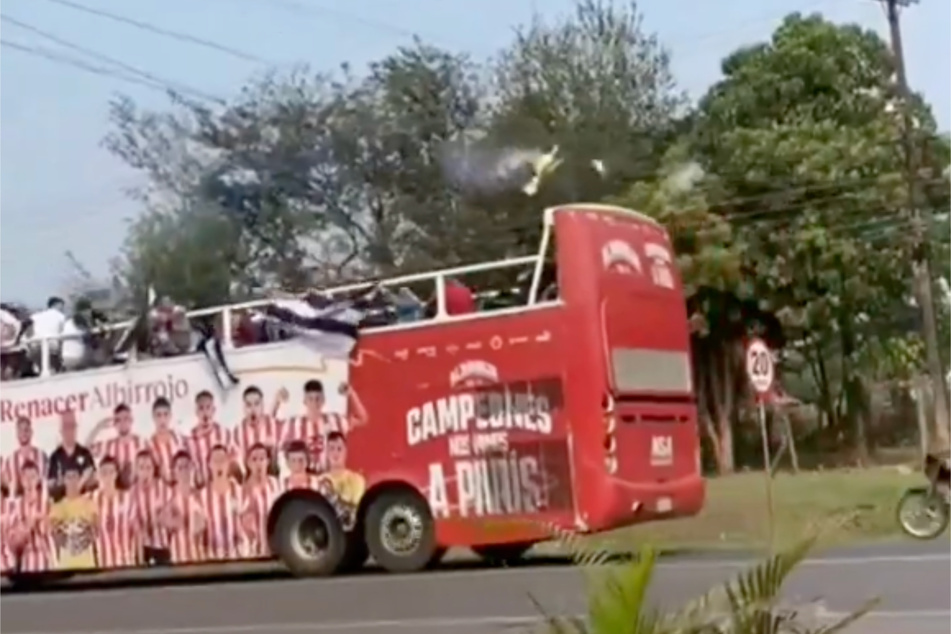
(309,538)
(400,532)
(503,554)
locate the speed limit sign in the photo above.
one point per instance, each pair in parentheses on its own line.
(759,367)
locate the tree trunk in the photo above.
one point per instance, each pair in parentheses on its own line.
(722,397)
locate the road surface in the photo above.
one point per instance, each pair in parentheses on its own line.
(912,580)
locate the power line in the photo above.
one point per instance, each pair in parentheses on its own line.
(855,229)
(170,33)
(141,75)
(77,63)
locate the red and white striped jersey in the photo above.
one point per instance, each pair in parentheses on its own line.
(200,443)
(20,456)
(163,449)
(8,560)
(259,497)
(146,502)
(222,512)
(115,540)
(122,448)
(303,481)
(37,553)
(8,474)
(187,535)
(267,431)
(314,433)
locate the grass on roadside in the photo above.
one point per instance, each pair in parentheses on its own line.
(735,516)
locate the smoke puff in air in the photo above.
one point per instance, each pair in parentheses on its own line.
(684,177)
(485,170)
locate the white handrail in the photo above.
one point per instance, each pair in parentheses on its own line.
(438,277)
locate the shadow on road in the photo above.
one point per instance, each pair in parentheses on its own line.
(248,573)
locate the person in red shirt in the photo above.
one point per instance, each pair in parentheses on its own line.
(31,522)
(206,434)
(298,459)
(184,515)
(115,543)
(459,299)
(149,494)
(24,452)
(9,542)
(123,447)
(165,441)
(222,505)
(313,427)
(257,427)
(261,490)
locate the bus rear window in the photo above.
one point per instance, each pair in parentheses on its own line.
(640,370)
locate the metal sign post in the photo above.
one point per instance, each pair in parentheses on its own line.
(762,373)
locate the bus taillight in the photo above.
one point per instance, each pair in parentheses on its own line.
(610,438)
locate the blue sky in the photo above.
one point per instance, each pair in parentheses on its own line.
(62,191)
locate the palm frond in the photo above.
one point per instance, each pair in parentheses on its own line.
(749,603)
(847,620)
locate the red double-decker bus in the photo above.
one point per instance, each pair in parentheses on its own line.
(571,410)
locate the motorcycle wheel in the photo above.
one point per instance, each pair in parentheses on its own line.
(923,514)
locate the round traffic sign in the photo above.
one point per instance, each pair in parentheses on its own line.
(759,366)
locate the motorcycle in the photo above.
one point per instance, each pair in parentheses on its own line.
(924,512)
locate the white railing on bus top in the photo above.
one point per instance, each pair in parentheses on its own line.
(437,277)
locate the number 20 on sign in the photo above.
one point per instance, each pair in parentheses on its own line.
(759,368)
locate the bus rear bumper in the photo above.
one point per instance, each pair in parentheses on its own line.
(633,503)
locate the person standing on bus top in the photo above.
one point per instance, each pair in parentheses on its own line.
(123,447)
(222,504)
(257,427)
(261,490)
(165,441)
(459,298)
(73,524)
(25,452)
(69,454)
(183,515)
(115,543)
(206,433)
(48,324)
(149,496)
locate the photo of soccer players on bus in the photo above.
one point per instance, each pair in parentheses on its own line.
(171,497)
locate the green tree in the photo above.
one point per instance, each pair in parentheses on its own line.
(596,84)
(721,312)
(802,134)
(389,133)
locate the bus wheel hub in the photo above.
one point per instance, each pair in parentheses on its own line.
(310,538)
(402,529)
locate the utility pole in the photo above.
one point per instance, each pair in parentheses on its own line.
(922,214)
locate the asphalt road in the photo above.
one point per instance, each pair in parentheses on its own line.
(912,580)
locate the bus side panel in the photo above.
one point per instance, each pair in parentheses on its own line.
(474,411)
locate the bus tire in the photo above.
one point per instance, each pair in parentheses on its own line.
(400,532)
(309,538)
(503,554)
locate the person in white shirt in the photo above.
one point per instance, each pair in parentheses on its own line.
(73,349)
(49,323)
